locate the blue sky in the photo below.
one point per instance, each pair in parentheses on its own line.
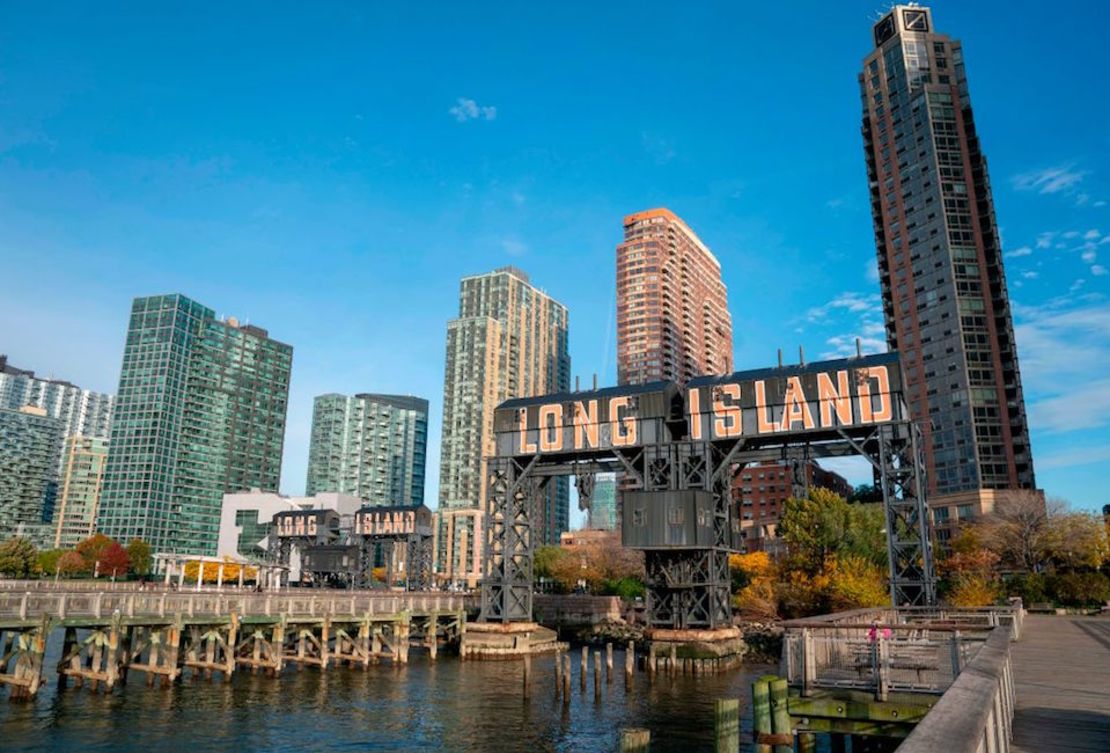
(329,173)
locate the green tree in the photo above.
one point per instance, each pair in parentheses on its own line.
(47,563)
(545,559)
(1075,541)
(138,552)
(824,525)
(17,557)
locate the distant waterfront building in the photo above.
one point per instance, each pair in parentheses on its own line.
(201,411)
(29,442)
(82,412)
(603,505)
(509,340)
(945,300)
(673,320)
(79,489)
(762,490)
(371,446)
(246,518)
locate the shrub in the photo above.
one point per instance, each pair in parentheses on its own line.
(1080,589)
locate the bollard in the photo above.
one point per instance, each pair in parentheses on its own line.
(558,673)
(780,715)
(635,740)
(608,662)
(726,724)
(585,665)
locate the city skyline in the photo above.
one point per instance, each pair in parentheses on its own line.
(549,209)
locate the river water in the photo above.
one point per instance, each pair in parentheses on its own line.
(442,705)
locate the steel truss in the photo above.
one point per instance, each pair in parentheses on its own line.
(689,588)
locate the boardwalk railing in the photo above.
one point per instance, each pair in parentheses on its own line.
(34,606)
(883,650)
(975,714)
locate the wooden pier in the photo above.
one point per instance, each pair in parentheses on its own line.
(163,634)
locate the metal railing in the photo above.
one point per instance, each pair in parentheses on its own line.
(31,605)
(918,650)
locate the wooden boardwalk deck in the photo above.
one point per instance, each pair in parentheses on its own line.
(1062,678)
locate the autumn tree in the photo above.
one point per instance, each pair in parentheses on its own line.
(91,548)
(1075,541)
(113,560)
(71,563)
(970,569)
(47,563)
(17,557)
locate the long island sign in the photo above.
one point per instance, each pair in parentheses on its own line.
(816,398)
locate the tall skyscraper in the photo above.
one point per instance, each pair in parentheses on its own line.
(29,442)
(603,503)
(79,488)
(509,340)
(672,307)
(371,446)
(200,411)
(945,301)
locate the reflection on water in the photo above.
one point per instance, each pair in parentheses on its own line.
(446,705)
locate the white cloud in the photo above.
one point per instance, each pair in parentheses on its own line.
(851,302)
(1091,235)
(1073,456)
(467,109)
(1030,275)
(857,316)
(1089,256)
(1044,240)
(1098,270)
(1049,180)
(871,271)
(1023,251)
(1065,357)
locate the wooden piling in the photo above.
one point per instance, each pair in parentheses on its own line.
(558,673)
(566,679)
(608,662)
(780,714)
(807,742)
(674,659)
(527,676)
(761,712)
(597,676)
(635,740)
(629,664)
(726,724)
(585,666)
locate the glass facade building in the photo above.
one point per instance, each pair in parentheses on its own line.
(603,504)
(370,446)
(509,340)
(30,443)
(945,300)
(200,411)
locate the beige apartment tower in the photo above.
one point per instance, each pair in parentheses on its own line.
(509,340)
(672,307)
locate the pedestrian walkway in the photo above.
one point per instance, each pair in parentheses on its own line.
(1062,678)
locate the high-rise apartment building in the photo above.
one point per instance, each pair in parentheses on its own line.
(509,340)
(82,412)
(200,411)
(83,461)
(673,320)
(945,301)
(29,442)
(371,446)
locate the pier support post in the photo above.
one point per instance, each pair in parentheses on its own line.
(726,725)
(585,666)
(629,664)
(597,676)
(608,662)
(780,715)
(761,713)
(635,740)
